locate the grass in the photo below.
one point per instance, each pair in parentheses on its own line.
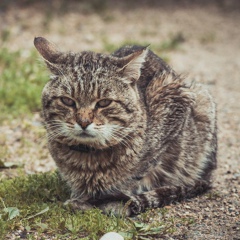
(34,205)
(21,83)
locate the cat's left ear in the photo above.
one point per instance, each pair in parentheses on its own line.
(131,70)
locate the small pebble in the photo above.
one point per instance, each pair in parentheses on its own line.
(111,236)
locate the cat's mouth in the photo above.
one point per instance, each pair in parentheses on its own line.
(86,135)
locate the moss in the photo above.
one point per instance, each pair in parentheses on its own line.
(33,204)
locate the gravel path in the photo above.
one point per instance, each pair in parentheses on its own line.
(209,54)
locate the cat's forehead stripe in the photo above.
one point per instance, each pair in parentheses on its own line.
(85,76)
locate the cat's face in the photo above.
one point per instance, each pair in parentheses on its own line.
(92,99)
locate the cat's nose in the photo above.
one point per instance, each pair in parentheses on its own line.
(84,117)
(84,124)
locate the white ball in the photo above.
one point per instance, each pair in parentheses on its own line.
(111,236)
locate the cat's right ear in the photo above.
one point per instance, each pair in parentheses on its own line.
(50,54)
(48,51)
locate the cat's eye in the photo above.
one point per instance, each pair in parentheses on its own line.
(68,101)
(103,103)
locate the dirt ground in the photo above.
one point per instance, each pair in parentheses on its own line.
(210,53)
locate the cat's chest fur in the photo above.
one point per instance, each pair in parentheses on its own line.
(99,172)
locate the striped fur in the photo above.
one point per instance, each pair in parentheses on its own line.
(126,128)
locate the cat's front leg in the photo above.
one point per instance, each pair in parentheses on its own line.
(166,195)
(78,203)
(116,208)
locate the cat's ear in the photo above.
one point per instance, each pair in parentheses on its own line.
(52,56)
(131,70)
(48,50)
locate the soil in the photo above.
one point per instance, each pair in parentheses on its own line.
(209,53)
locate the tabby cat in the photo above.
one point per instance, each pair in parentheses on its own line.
(126,128)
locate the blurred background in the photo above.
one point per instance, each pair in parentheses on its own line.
(200,39)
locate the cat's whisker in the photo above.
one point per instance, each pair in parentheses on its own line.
(118,134)
(122,135)
(122,141)
(58,129)
(130,138)
(101,138)
(55,131)
(42,138)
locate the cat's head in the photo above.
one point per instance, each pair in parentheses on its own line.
(91,98)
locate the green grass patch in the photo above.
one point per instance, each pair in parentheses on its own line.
(33,206)
(21,83)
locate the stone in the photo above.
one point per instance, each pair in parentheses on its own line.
(111,236)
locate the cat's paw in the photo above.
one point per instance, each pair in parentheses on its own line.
(136,206)
(115,208)
(78,204)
